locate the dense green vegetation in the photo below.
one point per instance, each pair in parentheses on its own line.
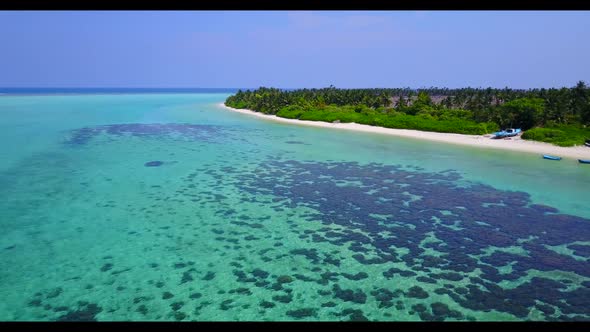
(439,122)
(562,135)
(558,116)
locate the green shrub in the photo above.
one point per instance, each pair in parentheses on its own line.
(364,115)
(562,135)
(291,112)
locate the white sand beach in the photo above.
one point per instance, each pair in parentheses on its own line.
(514,143)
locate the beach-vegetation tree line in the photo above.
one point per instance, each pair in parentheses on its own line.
(558,116)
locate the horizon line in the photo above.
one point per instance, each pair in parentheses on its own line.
(285,88)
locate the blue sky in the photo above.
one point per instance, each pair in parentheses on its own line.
(284,49)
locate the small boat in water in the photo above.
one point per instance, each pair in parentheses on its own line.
(545,156)
(584,161)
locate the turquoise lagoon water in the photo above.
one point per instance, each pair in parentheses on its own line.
(168,207)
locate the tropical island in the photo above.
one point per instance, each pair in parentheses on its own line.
(557,116)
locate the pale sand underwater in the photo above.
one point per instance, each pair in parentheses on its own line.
(515,143)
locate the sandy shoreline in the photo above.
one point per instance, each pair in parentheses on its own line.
(484,141)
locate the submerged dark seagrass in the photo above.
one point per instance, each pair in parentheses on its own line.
(154,163)
(439,233)
(465,220)
(207,133)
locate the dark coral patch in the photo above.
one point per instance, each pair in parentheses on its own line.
(154,163)
(453,276)
(258,273)
(195,295)
(106,267)
(267,304)
(580,250)
(417,292)
(35,303)
(226,305)
(186,277)
(142,309)
(426,280)
(178,315)
(461,218)
(209,276)
(546,309)
(440,309)
(419,307)
(354,315)
(385,297)
(88,312)
(301,313)
(393,271)
(139,299)
(284,279)
(358,276)
(297,142)
(176,305)
(349,295)
(241,291)
(283,298)
(177,131)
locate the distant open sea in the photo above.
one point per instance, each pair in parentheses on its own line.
(61,91)
(160,205)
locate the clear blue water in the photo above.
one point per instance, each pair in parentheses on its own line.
(98,91)
(166,206)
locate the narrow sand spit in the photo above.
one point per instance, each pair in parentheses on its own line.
(515,143)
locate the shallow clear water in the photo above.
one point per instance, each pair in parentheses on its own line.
(169,207)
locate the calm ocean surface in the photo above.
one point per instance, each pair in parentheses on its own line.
(165,206)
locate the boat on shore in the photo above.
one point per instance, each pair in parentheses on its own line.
(587,143)
(546,156)
(509,132)
(584,161)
